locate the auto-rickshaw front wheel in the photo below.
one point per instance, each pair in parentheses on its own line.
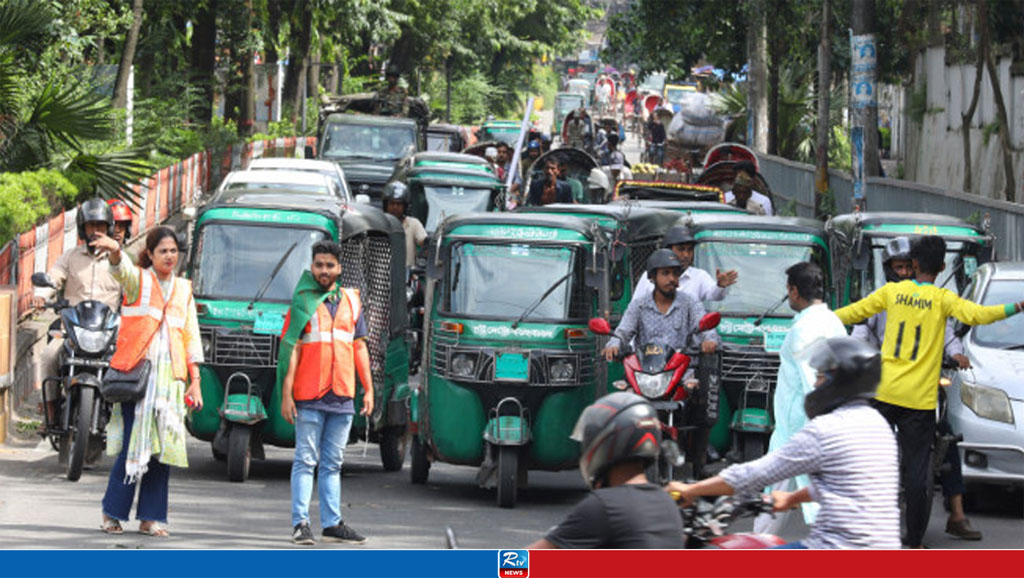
(508,475)
(394,444)
(239,452)
(420,468)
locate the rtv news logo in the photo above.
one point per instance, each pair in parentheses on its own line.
(513,563)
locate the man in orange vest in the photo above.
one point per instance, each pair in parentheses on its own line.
(323,347)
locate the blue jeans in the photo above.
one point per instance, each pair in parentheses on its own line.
(117,502)
(320,439)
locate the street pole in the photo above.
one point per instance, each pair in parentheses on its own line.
(448,89)
(821,184)
(523,129)
(863,99)
(129,106)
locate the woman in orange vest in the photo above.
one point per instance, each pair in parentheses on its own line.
(158,323)
(322,349)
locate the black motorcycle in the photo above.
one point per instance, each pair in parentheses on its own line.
(80,414)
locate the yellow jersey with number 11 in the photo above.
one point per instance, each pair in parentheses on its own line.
(915,334)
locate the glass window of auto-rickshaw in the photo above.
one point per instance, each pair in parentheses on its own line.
(947,278)
(234,260)
(440,201)
(502,280)
(762,272)
(439,142)
(377,142)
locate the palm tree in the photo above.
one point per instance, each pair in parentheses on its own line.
(50,125)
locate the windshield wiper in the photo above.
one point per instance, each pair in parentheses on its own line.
(1017,347)
(540,300)
(277,268)
(770,310)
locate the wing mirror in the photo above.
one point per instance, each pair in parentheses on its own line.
(600,326)
(42,280)
(710,321)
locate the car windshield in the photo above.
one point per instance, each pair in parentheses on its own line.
(445,201)
(440,141)
(339,184)
(233,261)
(953,249)
(487,280)
(508,135)
(1006,333)
(372,142)
(762,274)
(676,95)
(289,187)
(566,105)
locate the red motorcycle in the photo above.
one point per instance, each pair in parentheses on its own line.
(705,523)
(655,372)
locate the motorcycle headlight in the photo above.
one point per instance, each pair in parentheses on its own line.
(654,385)
(562,370)
(91,341)
(463,365)
(987,402)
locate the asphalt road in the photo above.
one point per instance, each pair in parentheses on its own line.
(40,509)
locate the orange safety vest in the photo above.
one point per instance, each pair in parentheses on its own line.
(140,320)
(327,358)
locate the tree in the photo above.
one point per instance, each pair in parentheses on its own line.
(204,59)
(127,57)
(967,117)
(821,183)
(1009,185)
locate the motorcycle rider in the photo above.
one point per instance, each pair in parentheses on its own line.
(122,220)
(395,202)
(695,282)
(83,275)
(619,437)
(847,448)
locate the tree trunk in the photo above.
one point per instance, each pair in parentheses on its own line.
(298,56)
(120,97)
(247,106)
(823,129)
(775,63)
(204,61)
(967,117)
(1010,187)
(863,23)
(313,72)
(757,93)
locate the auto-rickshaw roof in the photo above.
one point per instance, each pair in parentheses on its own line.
(922,223)
(734,221)
(502,124)
(572,156)
(448,157)
(683,206)
(584,227)
(445,128)
(454,175)
(635,222)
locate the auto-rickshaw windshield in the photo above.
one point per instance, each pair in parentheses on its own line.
(234,260)
(343,140)
(1008,333)
(762,273)
(446,200)
(953,249)
(503,281)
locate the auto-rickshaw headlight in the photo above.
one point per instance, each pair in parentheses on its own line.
(207,340)
(562,370)
(463,365)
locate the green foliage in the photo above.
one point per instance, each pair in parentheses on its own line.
(988,130)
(828,204)
(471,98)
(544,83)
(285,128)
(29,196)
(918,105)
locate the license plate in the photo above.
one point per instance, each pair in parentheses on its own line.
(773,341)
(512,366)
(268,324)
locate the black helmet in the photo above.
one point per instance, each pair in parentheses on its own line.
(94,211)
(677,235)
(395,191)
(662,258)
(618,427)
(897,248)
(851,368)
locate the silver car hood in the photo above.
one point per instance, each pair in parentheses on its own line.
(996,368)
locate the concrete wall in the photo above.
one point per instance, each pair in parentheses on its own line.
(934,155)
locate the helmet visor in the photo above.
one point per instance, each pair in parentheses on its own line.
(819,356)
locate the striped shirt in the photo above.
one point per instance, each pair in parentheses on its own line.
(850,454)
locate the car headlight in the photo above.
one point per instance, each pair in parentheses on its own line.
(987,402)
(463,365)
(654,385)
(562,370)
(90,340)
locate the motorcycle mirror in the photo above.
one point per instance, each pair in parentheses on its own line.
(42,279)
(710,321)
(599,326)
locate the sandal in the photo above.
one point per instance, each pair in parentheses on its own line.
(112,526)
(155,530)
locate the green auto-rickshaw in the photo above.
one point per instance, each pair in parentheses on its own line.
(755,314)
(249,249)
(565,102)
(685,207)
(857,239)
(509,363)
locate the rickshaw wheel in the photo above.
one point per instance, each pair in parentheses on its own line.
(508,473)
(420,468)
(393,447)
(752,448)
(239,453)
(217,455)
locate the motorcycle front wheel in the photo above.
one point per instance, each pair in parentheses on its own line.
(81,431)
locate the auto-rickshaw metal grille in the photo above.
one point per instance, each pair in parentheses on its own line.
(366,265)
(742,364)
(240,348)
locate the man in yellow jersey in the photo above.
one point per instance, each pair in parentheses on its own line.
(911,363)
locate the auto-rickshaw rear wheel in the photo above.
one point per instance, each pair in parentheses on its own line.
(239,452)
(218,455)
(394,444)
(420,467)
(508,475)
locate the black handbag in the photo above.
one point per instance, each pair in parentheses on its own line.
(120,386)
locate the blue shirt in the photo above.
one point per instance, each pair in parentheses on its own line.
(674,328)
(332,402)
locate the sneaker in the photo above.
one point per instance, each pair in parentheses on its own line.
(301,534)
(962,529)
(344,534)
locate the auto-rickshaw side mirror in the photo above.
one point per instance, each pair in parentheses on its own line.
(435,267)
(862,254)
(309,152)
(42,279)
(987,253)
(600,326)
(710,321)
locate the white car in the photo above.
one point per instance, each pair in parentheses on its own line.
(332,170)
(282,180)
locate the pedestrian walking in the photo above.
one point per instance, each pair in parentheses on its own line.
(159,324)
(323,347)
